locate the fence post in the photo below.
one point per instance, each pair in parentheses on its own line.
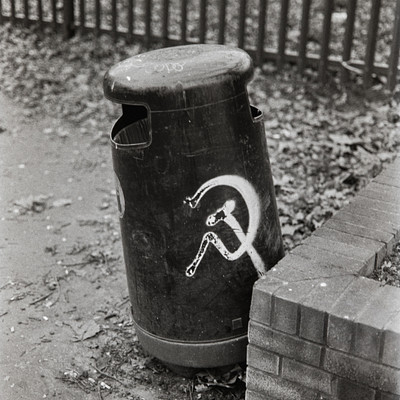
(68,21)
(183,21)
(114,11)
(305,25)
(165,23)
(371,42)
(326,36)
(262,18)
(26,13)
(147,23)
(222,21)
(394,53)
(203,21)
(282,33)
(348,38)
(242,23)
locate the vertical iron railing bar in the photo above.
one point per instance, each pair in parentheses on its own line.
(282,33)
(262,20)
(183,21)
(54,14)
(26,13)
(348,38)
(148,32)
(203,21)
(114,20)
(131,7)
(222,21)
(304,29)
(393,73)
(40,15)
(13,12)
(165,22)
(68,22)
(371,42)
(82,16)
(242,23)
(97,18)
(326,36)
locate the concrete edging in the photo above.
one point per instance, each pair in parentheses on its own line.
(318,327)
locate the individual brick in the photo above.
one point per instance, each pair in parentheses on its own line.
(278,388)
(395,164)
(390,192)
(294,268)
(285,311)
(377,205)
(344,237)
(372,320)
(390,171)
(365,221)
(346,390)
(391,342)
(379,248)
(363,372)
(380,194)
(348,265)
(311,377)
(263,289)
(252,395)
(262,360)
(283,344)
(317,303)
(341,326)
(369,211)
(344,249)
(387,396)
(356,230)
(388,179)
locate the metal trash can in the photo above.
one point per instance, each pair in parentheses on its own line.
(197,206)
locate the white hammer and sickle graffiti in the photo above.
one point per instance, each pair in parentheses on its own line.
(224,214)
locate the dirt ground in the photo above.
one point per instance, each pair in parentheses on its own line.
(66,330)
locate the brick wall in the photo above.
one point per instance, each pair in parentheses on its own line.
(319,329)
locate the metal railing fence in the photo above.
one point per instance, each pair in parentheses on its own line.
(249,24)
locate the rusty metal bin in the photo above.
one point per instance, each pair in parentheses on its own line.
(197,207)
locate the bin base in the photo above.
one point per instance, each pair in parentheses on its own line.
(194,355)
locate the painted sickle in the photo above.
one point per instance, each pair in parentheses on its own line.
(251,199)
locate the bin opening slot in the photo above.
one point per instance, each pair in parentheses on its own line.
(133,128)
(256,113)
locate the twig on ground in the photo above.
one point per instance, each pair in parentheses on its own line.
(109,376)
(41,299)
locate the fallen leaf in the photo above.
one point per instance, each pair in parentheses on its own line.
(289,229)
(85,331)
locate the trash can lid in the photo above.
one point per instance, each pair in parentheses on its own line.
(180,77)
